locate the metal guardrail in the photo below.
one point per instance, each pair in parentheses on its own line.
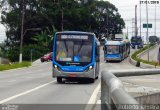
(113,94)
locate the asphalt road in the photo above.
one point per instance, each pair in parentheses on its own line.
(34,88)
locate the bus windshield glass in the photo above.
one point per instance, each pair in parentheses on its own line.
(73,48)
(136,40)
(133,40)
(112,49)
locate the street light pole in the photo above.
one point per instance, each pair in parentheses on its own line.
(136,21)
(21,42)
(155,20)
(147,26)
(140,18)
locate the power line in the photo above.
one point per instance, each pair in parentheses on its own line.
(141,19)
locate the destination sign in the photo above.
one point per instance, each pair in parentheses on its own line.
(83,37)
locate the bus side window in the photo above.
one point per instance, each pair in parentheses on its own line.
(105,49)
(97,53)
(121,49)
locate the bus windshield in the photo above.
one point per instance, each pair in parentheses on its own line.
(112,49)
(133,40)
(73,49)
(136,40)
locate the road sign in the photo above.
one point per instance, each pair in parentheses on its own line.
(145,25)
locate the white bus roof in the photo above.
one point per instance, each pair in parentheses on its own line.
(116,42)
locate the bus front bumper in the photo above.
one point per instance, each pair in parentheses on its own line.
(112,59)
(63,74)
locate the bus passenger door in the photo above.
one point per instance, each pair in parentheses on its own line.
(121,52)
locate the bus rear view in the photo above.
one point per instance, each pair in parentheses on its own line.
(75,56)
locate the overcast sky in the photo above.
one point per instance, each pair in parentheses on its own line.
(127,10)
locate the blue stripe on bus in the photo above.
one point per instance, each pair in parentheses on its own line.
(112,55)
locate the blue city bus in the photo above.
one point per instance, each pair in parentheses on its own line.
(136,41)
(116,50)
(75,55)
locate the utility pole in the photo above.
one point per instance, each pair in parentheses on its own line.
(140,18)
(147,26)
(21,41)
(155,20)
(136,21)
(136,46)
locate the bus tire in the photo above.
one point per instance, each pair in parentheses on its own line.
(59,79)
(96,77)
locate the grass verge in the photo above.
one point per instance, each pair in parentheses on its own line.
(134,56)
(14,66)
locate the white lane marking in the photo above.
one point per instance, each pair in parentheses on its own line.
(24,93)
(93,98)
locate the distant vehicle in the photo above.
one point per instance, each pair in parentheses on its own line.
(116,50)
(136,41)
(153,39)
(119,37)
(103,41)
(76,55)
(46,57)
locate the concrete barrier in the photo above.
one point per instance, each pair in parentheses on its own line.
(149,99)
(114,96)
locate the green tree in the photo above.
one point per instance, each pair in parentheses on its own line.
(100,17)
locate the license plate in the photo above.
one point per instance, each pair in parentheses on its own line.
(72,75)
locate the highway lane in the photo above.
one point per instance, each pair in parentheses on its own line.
(35,85)
(15,82)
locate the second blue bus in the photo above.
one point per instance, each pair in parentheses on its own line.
(116,50)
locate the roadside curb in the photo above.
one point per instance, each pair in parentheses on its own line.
(144,52)
(23,67)
(141,64)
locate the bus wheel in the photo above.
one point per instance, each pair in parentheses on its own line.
(59,79)
(96,77)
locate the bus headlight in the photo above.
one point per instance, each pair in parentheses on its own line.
(55,66)
(90,67)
